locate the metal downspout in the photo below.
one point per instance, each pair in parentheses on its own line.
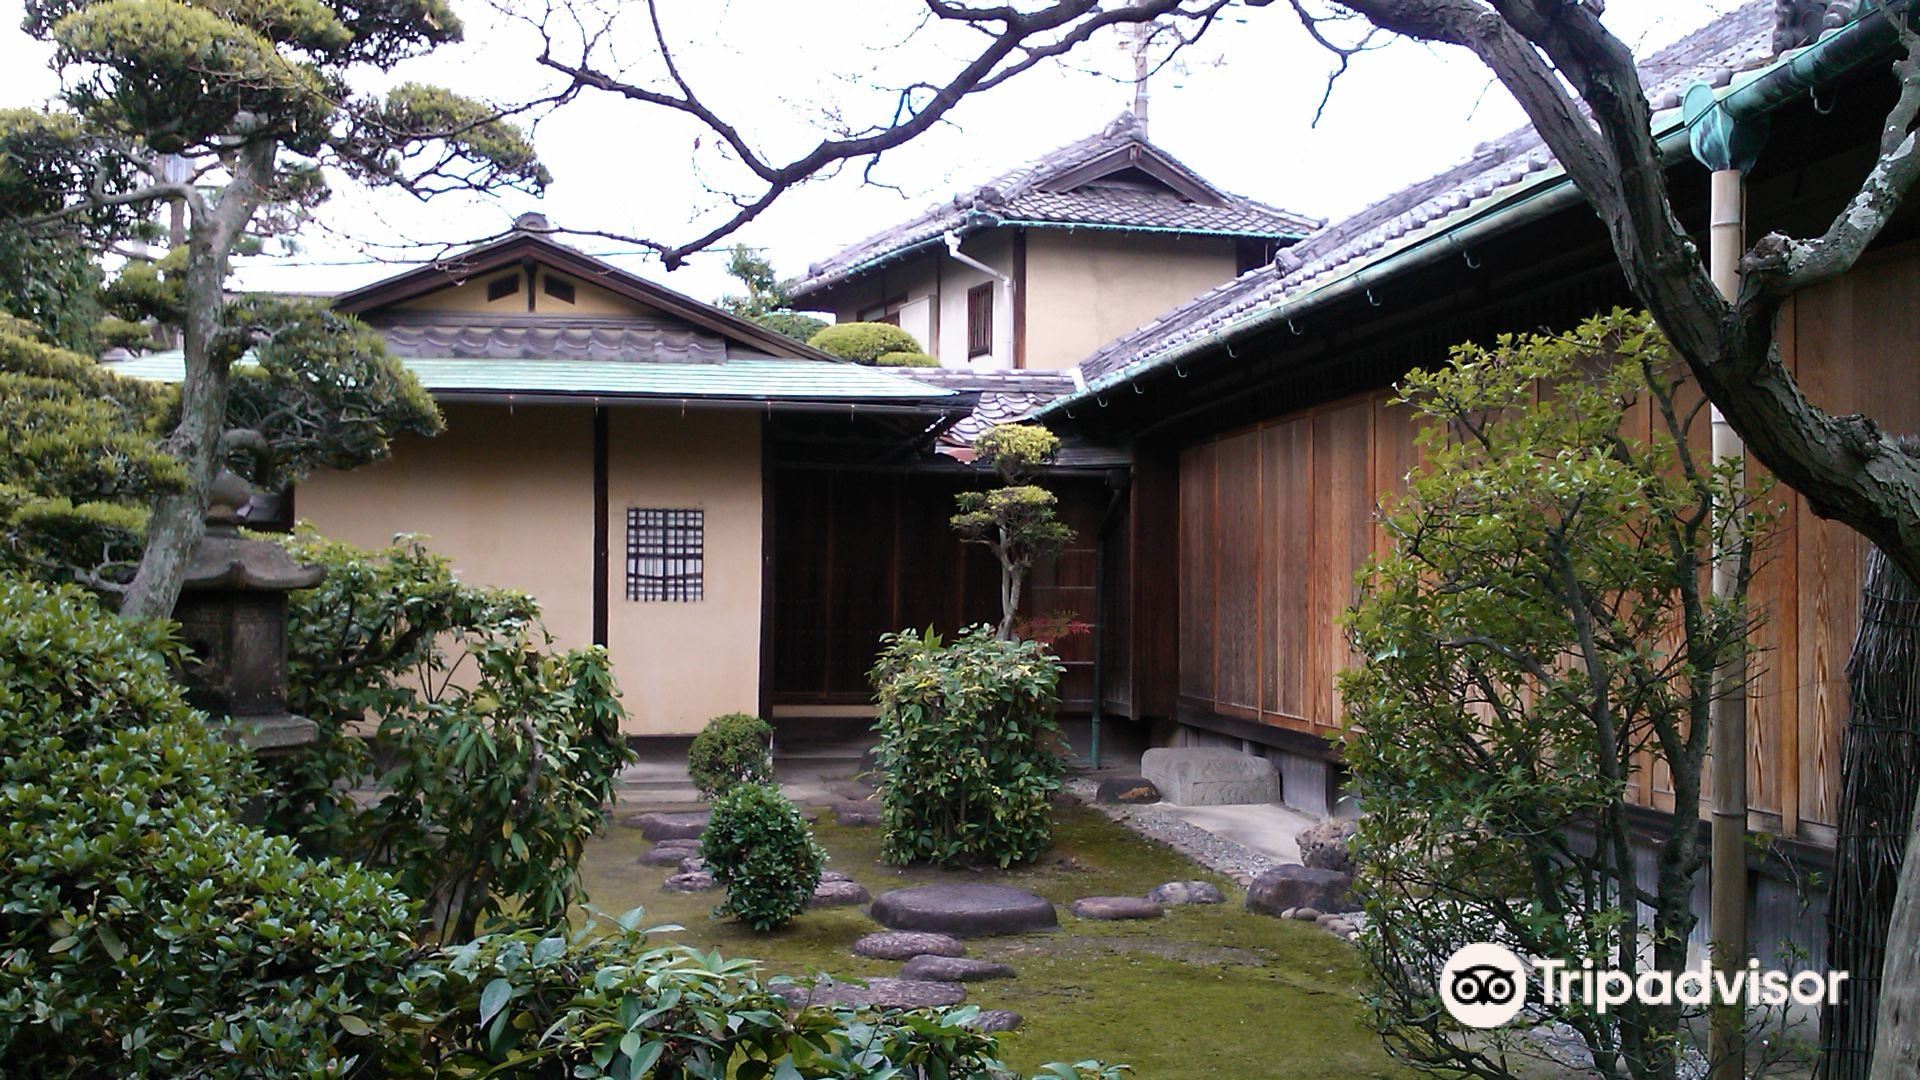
(1728,145)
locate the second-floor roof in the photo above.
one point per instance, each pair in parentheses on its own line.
(1114,180)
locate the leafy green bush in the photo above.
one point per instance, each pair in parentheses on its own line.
(863,342)
(759,847)
(791,324)
(905,359)
(147,929)
(732,749)
(491,783)
(1536,644)
(594,1003)
(967,757)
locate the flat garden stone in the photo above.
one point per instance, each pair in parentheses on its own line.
(1176,893)
(701,882)
(1127,789)
(681,826)
(839,894)
(663,856)
(833,875)
(995,1020)
(1115,907)
(1210,776)
(958,969)
(1303,914)
(856,815)
(1296,886)
(693,864)
(907,944)
(965,910)
(883,992)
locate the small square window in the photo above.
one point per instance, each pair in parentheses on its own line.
(666,554)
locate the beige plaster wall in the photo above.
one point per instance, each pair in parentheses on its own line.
(682,663)
(506,493)
(471,296)
(1085,288)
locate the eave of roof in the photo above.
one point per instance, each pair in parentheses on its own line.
(523,244)
(743,381)
(1753,93)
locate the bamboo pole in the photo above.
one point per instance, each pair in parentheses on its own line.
(1727,718)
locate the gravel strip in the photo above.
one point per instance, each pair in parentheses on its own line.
(1216,853)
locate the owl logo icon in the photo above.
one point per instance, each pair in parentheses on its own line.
(1483,985)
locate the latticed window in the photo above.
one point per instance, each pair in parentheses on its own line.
(979,320)
(666,554)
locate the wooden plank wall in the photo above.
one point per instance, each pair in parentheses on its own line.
(858,554)
(1275,519)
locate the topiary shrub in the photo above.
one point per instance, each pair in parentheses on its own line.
(147,930)
(906,359)
(863,342)
(759,847)
(732,749)
(967,757)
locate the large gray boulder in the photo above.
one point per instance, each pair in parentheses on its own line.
(965,910)
(1293,886)
(1210,776)
(1328,845)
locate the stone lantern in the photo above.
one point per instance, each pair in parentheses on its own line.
(233,617)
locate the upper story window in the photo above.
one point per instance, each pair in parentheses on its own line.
(666,554)
(979,320)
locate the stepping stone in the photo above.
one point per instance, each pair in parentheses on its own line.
(1115,907)
(690,845)
(905,945)
(1175,893)
(1127,789)
(1296,886)
(657,827)
(965,910)
(663,856)
(953,969)
(833,875)
(839,894)
(990,1021)
(856,815)
(883,992)
(690,883)
(693,864)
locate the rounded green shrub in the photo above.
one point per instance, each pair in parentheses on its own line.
(906,359)
(149,931)
(863,342)
(732,749)
(968,757)
(759,847)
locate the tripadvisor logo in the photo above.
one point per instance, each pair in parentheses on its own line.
(1484,985)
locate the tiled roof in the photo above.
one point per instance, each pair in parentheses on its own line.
(1005,397)
(537,337)
(1023,197)
(1498,173)
(738,380)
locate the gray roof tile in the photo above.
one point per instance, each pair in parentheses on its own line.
(1021,197)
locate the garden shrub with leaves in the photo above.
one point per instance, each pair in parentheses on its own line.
(863,342)
(147,929)
(968,759)
(758,846)
(1537,642)
(732,749)
(1016,521)
(493,751)
(609,1002)
(906,359)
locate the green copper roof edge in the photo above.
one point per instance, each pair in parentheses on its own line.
(1835,54)
(1034,223)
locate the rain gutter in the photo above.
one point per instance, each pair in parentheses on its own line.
(1840,52)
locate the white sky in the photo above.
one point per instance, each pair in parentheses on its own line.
(1239,110)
